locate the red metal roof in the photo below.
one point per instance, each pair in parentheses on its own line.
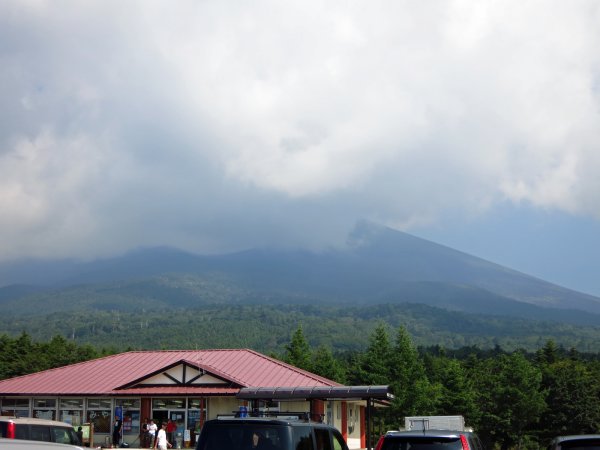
(104,376)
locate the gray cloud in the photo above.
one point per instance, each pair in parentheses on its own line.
(222,125)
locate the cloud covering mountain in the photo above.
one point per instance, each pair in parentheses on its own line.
(378,266)
(216,126)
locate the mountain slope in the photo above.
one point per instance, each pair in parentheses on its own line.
(378,265)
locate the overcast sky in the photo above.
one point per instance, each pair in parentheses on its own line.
(221,125)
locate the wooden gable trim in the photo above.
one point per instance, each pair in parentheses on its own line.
(184,382)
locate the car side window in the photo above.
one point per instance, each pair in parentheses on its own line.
(323,440)
(479,444)
(473,442)
(40,433)
(338,441)
(61,436)
(303,439)
(22,432)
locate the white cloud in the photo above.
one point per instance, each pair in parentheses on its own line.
(145,123)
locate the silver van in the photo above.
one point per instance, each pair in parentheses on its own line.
(37,430)
(21,444)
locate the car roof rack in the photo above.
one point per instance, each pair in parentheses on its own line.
(285,415)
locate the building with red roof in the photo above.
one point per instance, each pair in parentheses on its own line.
(186,386)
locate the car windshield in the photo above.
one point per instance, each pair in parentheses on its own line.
(410,443)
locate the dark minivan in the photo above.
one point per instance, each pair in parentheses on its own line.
(268,434)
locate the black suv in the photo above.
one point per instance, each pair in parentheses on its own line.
(268,434)
(429,440)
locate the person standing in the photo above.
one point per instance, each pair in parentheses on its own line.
(144,437)
(152,433)
(116,433)
(171,427)
(161,442)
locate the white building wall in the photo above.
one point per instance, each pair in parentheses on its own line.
(222,405)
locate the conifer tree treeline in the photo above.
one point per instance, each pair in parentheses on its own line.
(20,356)
(513,400)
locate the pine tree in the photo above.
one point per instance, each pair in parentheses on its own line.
(375,364)
(298,351)
(573,399)
(511,399)
(414,393)
(324,364)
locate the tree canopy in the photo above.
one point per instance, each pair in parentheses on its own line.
(512,399)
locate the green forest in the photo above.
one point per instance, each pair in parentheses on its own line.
(266,328)
(513,399)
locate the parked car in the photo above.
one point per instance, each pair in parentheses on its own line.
(37,430)
(21,444)
(576,442)
(429,440)
(268,434)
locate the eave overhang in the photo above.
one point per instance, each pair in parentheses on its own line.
(381,394)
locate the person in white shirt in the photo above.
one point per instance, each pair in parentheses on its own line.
(161,442)
(152,433)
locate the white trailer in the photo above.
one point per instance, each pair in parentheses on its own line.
(456,423)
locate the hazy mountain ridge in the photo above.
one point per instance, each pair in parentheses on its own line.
(379,265)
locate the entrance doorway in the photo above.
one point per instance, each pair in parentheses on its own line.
(177,417)
(178,420)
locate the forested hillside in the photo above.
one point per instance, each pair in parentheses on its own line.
(266,327)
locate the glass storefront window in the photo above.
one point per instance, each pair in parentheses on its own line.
(168,403)
(71,411)
(196,414)
(71,403)
(131,415)
(44,408)
(195,403)
(99,412)
(72,416)
(44,403)
(268,405)
(18,407)
(128,403)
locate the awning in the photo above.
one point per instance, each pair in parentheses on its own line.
(381,393)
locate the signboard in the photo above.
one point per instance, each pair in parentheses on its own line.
(87,430)
(127,424)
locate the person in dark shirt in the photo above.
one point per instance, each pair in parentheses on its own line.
(116,434)
(145,435)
